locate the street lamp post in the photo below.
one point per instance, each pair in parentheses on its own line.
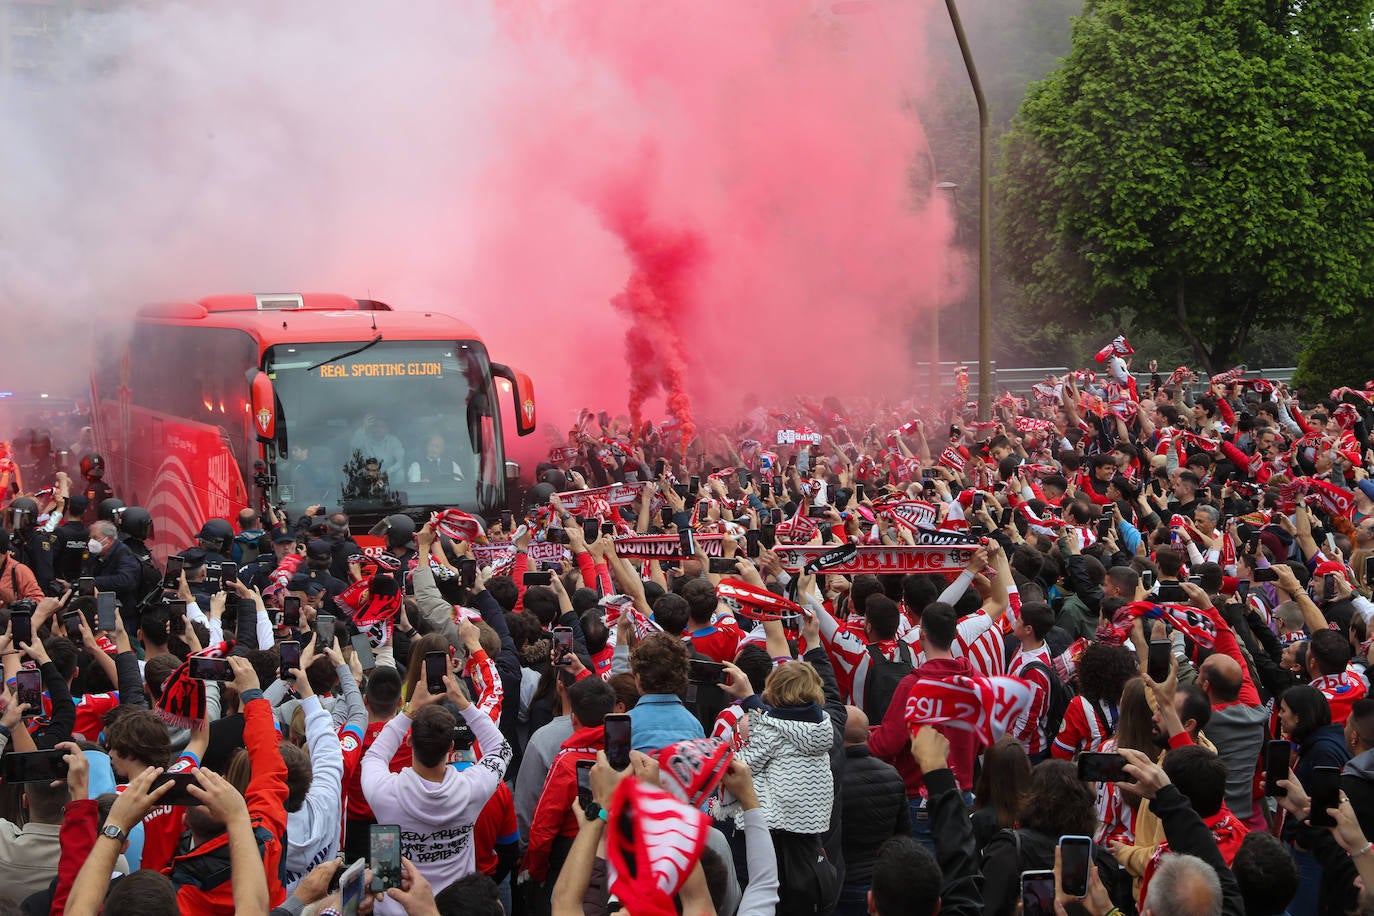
(952,188)
(984,222)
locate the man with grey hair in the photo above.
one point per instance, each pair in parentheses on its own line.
(116,568)
(1183,885)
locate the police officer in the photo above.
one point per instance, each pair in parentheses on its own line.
(67,548)
(39,466)
(318,554)
(196,570)
(258,573)
(94,487)
(136,528)
(21,519)
(214,540)
(110,510)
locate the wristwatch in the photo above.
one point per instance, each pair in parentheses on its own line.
(592,810)
(114,833)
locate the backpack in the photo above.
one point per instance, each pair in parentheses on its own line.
(884,675)
(1060,697)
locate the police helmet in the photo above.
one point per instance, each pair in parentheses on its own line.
(218,533)
(21,513)
(92,466)
(111,509)
(137,523)
(400,529)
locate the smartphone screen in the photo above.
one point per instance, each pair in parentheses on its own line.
(537,578)
(507,521)
(617,731)
(666,516)
(1369,570)
(228,572)
(766,491)
(384,842)
(1329,587)
(172,576)
(1278,756)
(693,484)
(1006,517)
(467,571)
(1243,591)
(209,669)
(751,542)
(178,795)
(436,666)
(290,611)
(859,493)
(817,511)
(324,630)
(562,643)
(1160,650)
(591,529)
(686,543)
(1324,788)
(21,629)
(584,782)
(703,671)
(608,529)
(768,536)
(71,622)
(290,658)
(85,586)
(105,611)
(1267,574)
(1037,893)
(363,649)
(29,689)
(660,466)
(35,766)
(1104,528)
(1096,767)
(1147,579)
(1075,854)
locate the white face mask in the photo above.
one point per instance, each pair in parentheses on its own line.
(94,547)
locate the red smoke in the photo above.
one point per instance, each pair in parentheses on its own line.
(657,300)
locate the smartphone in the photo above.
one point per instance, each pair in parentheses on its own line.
(324,631)
(1097,767)
(1324,788)
(537,578)
(1160,651)
(1075,858)
(768,537)
(704,671)
(21,629)
(703,509)
(351,888)
(363,649)
(555,536)
(172,574)
(694,484)
(29,689)
(1196,580)
(751,542)
(1368,570)
(436,667)
(777,516)
(591,529)
(1171,591)
(85,586)
(665,516)
(817,511)
(660,468)
(507,521)
(105,611)
(1037,893)
(608,529)
(929,473)
(384,849)
(290,658)
(1267,574)
(681,490)
(291,611)
(1278,757)
(721,566)
(209,669)
(1147,578)
(35,766)
(562,643)
(617,732)
(228,572)
(1104,527)
(176,617)
(687,544)
(584,782)
(178,794)
(1005,520)
(859,493)
(467,572)
(1243,591)
(1329,587)
(71,622)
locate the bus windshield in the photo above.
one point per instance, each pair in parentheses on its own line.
(403,424)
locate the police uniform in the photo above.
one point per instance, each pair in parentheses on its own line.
(96,492)
(69,552)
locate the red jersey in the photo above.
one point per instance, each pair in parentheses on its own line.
(719,642)
(91,709)
(354,746)
(1341,691)
(1029,727)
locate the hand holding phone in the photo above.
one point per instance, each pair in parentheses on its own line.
(1278,756)
(618,740)
(436,667)
(1075,861)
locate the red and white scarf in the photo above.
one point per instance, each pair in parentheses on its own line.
(986,706)
(653,842)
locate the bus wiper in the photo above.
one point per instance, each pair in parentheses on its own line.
(334,359)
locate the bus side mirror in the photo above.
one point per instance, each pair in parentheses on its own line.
(263,403)
(522,391)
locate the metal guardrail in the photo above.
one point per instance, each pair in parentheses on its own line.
(1020,379)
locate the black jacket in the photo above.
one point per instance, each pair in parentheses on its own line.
(874,807)
(118,571)
(949,824)
(835,709)
(1357,781)
(1186,833)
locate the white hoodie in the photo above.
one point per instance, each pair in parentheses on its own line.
(436,818)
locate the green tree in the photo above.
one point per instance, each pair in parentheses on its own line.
(1197,168)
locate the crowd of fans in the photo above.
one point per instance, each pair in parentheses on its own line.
(1162,619)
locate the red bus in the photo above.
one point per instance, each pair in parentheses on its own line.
(300,400)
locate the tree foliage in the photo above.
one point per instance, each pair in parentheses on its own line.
(1200,166)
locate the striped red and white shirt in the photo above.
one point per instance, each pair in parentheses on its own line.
(1083,728)
(1029,727)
